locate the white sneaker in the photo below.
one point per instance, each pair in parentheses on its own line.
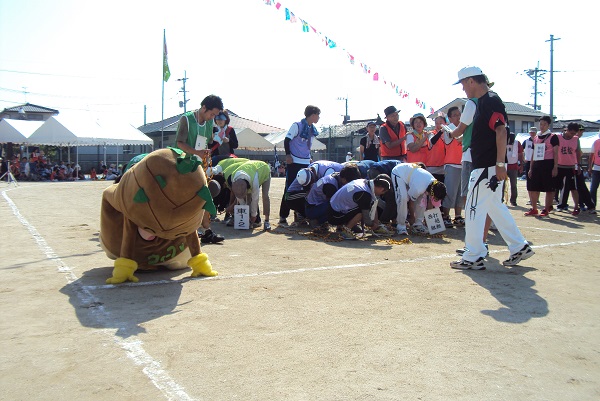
(401,230)
(466,265)
(525,253)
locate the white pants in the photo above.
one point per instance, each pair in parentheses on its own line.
(481,201)
(401,193)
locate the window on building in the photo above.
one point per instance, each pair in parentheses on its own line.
(511,125)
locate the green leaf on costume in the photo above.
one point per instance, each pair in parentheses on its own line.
(161,181)
(209,206)
(140,196)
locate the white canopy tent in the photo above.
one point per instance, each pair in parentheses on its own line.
(84,130)
(278,138)
(17,131)
(248,139)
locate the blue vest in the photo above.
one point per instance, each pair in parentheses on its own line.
(343,200)
(316,195)
(325,167)
(385,166)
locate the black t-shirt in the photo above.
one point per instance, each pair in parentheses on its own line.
(489,115)
(371,152)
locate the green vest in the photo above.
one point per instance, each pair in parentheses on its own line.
(232,168)
(232,160)
(256,166)
(194,129)
(466,142)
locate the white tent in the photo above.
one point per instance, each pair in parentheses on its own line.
(82,130)
(17,131)
(278,138)
(248,139)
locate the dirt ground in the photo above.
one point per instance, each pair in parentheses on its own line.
(290,318)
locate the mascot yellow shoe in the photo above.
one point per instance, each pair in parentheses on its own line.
(151,217)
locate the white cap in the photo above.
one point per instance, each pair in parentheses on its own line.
(240,175)
(303,176)
(468,72)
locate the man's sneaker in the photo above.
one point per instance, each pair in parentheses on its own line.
(382,230)
(592,211)
(562,208)
(544,213)
(466,265)
(267,226)
(282,221)
(462,251)
(209,237)
(532,212)
(525,253)
(401,230)
(346,233)
(300,223)
(229,222)
(459,221)
(419,229)
(576,212)
(448,222)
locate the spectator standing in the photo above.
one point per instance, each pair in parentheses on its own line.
(488,150)
(224,138)
(453,172)
(417,141)
(569,165)
(437,150)
(392,135)
(194,133)
(298,143)
(543,168)
(528,150)
(594,170)
(369,144)
(515,160)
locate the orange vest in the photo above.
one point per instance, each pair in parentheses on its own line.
(437,153)
(453,152)
(395,152)
(422,154)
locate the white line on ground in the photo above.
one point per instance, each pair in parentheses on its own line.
(133,347)
(320,268)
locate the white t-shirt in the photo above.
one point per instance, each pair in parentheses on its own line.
(467,119)
(468,113)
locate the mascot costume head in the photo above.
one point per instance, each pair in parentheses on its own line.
(150,217)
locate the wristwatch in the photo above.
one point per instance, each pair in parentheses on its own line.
(500,164)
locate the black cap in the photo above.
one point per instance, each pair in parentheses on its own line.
(371,123)
(390,110)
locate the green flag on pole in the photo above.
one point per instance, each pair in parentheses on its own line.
(166,71)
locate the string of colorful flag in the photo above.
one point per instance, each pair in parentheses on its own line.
(330,43)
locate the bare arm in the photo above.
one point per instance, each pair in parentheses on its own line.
(459,131)
(500,151)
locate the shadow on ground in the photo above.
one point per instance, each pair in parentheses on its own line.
(124,308)
(513,290)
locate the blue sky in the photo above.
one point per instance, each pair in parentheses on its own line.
(106,57)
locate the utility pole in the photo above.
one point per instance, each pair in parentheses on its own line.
(184,103)
(536,75)
(551,40)
(346,116)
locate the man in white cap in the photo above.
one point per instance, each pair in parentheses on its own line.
(488,151)
(246,183)
(348,156)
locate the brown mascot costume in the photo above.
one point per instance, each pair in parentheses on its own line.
(150,217)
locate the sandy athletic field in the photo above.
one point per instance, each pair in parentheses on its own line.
(290,318)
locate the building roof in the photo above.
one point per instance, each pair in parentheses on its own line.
(237,122)
(30,108)
(587,125)
(512,108)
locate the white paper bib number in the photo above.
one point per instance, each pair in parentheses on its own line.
(539,149)
(241,217)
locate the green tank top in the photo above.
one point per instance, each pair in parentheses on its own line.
(466,142)
(195,129)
